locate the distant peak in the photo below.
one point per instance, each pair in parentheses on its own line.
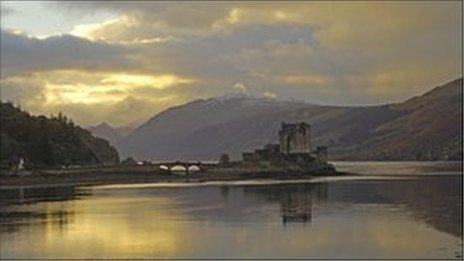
(102,125)
(235,95)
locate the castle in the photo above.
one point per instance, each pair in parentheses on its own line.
(294,138)
(294,150)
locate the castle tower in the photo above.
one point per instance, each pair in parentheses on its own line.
(295,138)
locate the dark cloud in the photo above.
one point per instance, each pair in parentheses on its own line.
(21,54)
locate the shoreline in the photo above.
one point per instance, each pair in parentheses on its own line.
(142,174)
(94,178)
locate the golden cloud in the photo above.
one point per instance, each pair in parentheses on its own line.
(88,30)
(68,86)
(307,80)
(89,98)
(157,81)
(117,30)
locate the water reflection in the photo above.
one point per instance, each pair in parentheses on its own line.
(15,214)
(22,195)
(296,201)
(414,218)
(435,200)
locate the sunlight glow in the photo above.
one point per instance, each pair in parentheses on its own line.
(88,30)
(159,81)
(79,87)
(77,93)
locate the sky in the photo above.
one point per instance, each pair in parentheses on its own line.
(123,62)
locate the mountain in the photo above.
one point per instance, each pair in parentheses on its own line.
(168,135)
(49,142)
(111,134)
(427,127)
(125,130)
(106,132)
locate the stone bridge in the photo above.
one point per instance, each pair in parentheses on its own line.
(184,164)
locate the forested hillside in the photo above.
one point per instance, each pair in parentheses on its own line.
(49,142)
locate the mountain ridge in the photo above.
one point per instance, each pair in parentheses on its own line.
(414,129)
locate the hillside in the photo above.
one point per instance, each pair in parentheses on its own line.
(49,142)
(168,134)
(427,127)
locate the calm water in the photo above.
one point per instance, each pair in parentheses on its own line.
(402,216)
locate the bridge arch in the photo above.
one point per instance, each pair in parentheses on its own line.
(179,169)
(164,168)
(194,168)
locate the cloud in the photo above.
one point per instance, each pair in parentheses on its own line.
(323,52)
(154,81)
(22,54)
(305,80)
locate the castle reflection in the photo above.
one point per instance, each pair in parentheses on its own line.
(297,202)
